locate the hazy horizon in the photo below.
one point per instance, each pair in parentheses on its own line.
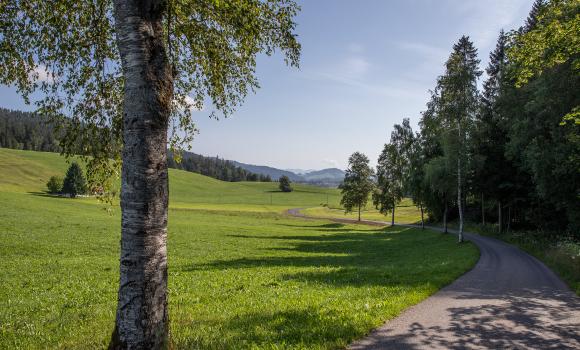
(363,69)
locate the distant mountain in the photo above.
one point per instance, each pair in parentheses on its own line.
(332,174)
(274,173)
(331,177)
(300,171)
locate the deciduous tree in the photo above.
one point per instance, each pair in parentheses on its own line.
(357,184)
(284,184)
(121,77)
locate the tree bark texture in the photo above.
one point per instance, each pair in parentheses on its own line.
(142,319)
(482,210)
(459,189)
(445,217)
(499,218)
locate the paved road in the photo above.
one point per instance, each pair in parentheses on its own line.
(510,300)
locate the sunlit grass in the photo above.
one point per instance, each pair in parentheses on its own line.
(405,213)
(241,275)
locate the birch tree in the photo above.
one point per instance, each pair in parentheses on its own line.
(459,103)
(357,184)
(121,78)
(393,169)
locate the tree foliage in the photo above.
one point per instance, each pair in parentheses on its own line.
(284,184)
(357,184)
(54,184)
(394,168)
(518,162)
(67,52)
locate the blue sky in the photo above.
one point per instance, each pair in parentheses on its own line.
(366,64)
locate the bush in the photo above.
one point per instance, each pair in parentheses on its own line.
(54,184)
(284,184)
(74,182)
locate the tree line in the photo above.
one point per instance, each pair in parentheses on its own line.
(507,155)
(27,131)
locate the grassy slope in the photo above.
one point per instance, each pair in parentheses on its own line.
(406,213)
(241,274)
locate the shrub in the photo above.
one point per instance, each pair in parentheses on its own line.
(54,184)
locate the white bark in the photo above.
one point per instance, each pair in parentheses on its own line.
(482,210)
(459,187)
(445,217)
(142,320)
(499,218)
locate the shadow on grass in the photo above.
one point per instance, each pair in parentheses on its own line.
(45,194)
(346,257)
(303,328)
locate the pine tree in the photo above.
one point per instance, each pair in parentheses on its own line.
(74,183)
(534,15)
(357,184)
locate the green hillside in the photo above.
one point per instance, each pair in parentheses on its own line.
(241,274)
(28,171)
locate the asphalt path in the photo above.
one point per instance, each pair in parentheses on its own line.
(509,300)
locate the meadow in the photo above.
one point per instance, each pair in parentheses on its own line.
(242,274)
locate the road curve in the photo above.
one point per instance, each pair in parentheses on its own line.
(509,300)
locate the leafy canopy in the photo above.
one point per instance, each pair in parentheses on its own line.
(62,55)
(357,184)
(284,184)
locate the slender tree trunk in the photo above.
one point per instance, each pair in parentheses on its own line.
(445,218)
(393,215)
(142,319)
(509,217)
(459,188)
(482,210)
(422,220)
(499,221)
(359,212)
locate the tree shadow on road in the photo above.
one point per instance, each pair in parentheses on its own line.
(526,319)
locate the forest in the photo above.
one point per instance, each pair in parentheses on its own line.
(27,131)
(506,155)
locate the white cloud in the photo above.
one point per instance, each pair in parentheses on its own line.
(192,104)
(332,163)
(354,71)
(355,48)
(355,67)
(486,18)
(426,51)
(41,73)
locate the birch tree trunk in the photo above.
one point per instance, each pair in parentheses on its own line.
(459,187)
(482,210)
(141,319)
(499,218)
(445,217)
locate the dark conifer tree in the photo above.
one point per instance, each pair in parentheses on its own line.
(74,183)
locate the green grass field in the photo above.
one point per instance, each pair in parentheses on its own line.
(406,213)
(241,274)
